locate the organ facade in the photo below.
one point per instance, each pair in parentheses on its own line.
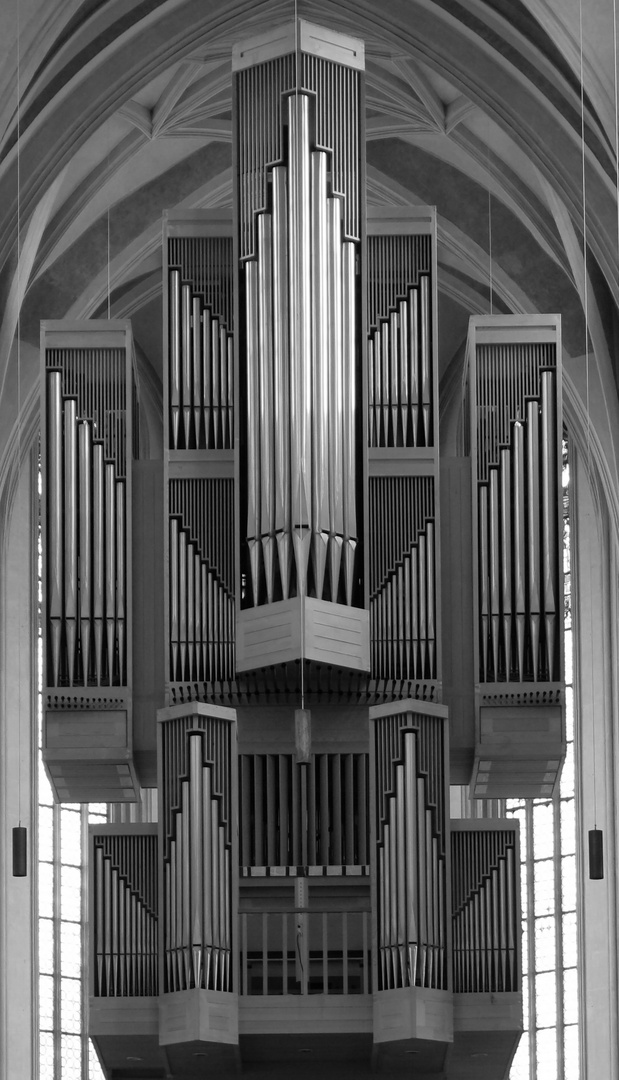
(257,625)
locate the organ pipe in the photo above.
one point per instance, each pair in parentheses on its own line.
(70,533)
(85,547)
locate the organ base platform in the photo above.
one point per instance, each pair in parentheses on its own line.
(333,634)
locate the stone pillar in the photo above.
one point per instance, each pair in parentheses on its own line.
(595,600)
(18,741)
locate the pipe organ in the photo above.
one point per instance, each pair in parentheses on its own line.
(516,431)
(88,445)
(297,555)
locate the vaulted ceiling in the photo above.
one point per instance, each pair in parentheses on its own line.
(125,111)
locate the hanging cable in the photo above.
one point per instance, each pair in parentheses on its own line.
(596,861)
(20,861)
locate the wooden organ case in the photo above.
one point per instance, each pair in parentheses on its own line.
(88,444)
(305,880)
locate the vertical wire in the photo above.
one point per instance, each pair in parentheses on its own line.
(490,282)
(19,267)
(300,434)
(586,312)
(108,261)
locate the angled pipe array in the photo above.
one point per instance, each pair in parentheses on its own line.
(201,365)
(86,547)
(400,381)
(299,280)
(197,854)
(403,568)
(517,492)
(411,856)
(485,910)
(123,871)
(201,596)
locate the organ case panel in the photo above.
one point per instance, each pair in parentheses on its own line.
(298,149)
(515,443)
(87,447)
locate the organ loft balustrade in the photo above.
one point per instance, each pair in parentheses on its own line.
(296,557)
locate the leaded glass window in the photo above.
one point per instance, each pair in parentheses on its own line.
(549,1048)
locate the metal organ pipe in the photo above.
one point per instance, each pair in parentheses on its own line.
(207,392)
(281,375)
(175,354)
(519,541)
(265,382)
(186,365)
(98,552)
(300,330)
(494,569)
(196,348)
(55,515)
(349,393)
(197,848)
(253,431)
(549,516)
(120,574)
(85,547)
(70,532)
(533,531)
(506,555)
(110,568)
(320,360)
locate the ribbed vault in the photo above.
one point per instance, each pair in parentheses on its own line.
(475,108)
